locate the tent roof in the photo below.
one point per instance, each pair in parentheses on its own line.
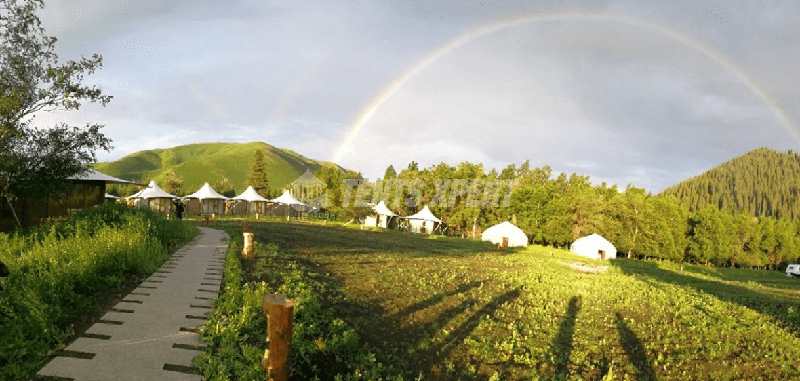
(424,214)
(383,210)
(593,238)
(206,192)
(250,195)
(287,199)
(504,227)
(111,196)
(152,191)
(93,175)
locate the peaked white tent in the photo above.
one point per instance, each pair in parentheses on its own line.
(505,234)
(289,202)
(209,201)
(253,202)
(153,197)
(382,217)
(594,246)
(423,221)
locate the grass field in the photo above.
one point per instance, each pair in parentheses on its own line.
(440,308)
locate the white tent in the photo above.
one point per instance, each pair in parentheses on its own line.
(423,221)
(254,202)
(594,246)
(153,197)
(288,200)
(382,216)
(505,234)
(210,201)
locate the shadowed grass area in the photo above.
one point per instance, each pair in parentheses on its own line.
(452,309)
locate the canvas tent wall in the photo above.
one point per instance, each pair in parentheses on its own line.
(594,246)
(249,202)
(505,234)
(208,201)
(85,190)
(153,197)
(423,222)
(382,217)
(287,205)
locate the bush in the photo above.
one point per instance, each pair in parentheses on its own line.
(56,269)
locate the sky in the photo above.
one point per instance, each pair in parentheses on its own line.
(627,92)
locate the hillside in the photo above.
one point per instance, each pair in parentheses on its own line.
(209,162)
(762,182)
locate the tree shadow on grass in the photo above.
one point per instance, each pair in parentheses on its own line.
(333,240)
(764,303)
(436,355)
(635,351)
(562,343)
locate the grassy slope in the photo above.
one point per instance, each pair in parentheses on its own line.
(208,162)
(457,309)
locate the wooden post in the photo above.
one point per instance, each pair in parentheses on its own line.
(249,248)
(280,312)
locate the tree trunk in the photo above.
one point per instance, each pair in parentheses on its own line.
(19,225)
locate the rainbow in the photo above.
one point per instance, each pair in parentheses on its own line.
(488,29)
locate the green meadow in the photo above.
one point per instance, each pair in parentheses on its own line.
(383,304)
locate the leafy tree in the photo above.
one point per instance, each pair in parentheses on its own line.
(390,173)
(258,175)
(35,162)
(174,183)
(224,187)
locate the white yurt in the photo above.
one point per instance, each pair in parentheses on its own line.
(208,201)
(423,221)
(505,234)
(594,246)
(382,217)
(153,197)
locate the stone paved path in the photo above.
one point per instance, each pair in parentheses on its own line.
(151,334)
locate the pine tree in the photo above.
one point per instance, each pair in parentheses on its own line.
(258,175)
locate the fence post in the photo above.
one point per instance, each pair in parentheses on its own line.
(249,248)
(280,312)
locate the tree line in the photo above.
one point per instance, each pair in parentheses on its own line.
(556,209)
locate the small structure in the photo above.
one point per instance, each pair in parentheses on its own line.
(383,217)
(287,205)
(205,201)
(423,222)
(594,246)
(505,234)
(249,202)
(85,190)
(153,197)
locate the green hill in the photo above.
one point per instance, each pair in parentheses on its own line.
(210,162)
(762,182)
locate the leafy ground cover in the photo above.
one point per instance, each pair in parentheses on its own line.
(57,271)
(441,308)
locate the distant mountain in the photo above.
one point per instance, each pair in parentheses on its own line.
(209,162)
(762,182)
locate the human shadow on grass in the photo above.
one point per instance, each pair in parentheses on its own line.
(635,350)
(562,343)
(764,303)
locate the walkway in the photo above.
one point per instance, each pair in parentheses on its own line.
(152,333)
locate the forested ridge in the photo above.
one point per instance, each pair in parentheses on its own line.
(762,182)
